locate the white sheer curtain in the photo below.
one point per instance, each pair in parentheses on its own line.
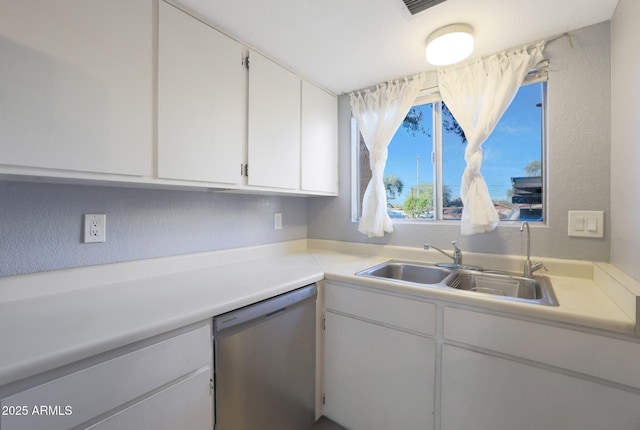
(379,113)
(478,94)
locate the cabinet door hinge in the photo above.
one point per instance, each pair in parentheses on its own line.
(245,61)
(244,170)
(324,399)
(212,385)
(324,323)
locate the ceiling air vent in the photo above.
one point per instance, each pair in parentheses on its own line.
(416,6)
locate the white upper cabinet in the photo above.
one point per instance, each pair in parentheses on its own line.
(292,137)
(319,137)
(201,101)
(274,125)
(76,85)
(78,98)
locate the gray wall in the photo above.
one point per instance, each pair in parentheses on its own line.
(41,225)
(625,137)
(578,163)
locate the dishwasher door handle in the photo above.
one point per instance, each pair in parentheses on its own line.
(279,311)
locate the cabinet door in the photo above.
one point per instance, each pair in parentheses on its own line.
(76,85)
(274,125)
(482,392)
(377,377)
(201,101)
(319,141)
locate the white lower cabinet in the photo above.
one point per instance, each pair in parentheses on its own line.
(484,392)
(147,385)
(377,376)
(504,373)
(599,356)
(395,362)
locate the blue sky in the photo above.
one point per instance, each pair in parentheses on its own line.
(513,144)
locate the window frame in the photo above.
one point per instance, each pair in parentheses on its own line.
(432,95)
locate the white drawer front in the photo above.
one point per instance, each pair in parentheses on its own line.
(186,405)
(599,356)
(396,311)
(83,395)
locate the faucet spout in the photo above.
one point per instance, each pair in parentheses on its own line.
(457,254)
(522,226)
(527,263)
(529,268)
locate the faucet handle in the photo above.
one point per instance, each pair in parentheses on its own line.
(539,266)
(457,254)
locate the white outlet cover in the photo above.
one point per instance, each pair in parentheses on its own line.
(95,228)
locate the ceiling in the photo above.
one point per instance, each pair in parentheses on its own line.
(344,45)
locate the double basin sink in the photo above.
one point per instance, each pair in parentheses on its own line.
(536,290)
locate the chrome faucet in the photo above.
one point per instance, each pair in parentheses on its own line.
(528,267)
(457,254)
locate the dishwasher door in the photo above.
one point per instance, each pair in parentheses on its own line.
(265,357)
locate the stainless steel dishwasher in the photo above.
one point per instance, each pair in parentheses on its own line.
(264,360)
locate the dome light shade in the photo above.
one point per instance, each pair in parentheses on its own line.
(449,44)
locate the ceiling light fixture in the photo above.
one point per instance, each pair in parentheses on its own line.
(449,44)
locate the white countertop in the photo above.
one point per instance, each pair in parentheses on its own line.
(45,332)
(56,318)
(582,301)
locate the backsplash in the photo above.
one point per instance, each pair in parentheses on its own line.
(41,225)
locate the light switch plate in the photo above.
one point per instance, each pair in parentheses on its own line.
(277,221)
(586,224)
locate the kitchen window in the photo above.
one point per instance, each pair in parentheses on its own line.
(424,167)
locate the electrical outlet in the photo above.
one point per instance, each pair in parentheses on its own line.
(95,228)
(277,221)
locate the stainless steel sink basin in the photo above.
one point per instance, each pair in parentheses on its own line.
(536,290)
(408,272)
(532,290)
